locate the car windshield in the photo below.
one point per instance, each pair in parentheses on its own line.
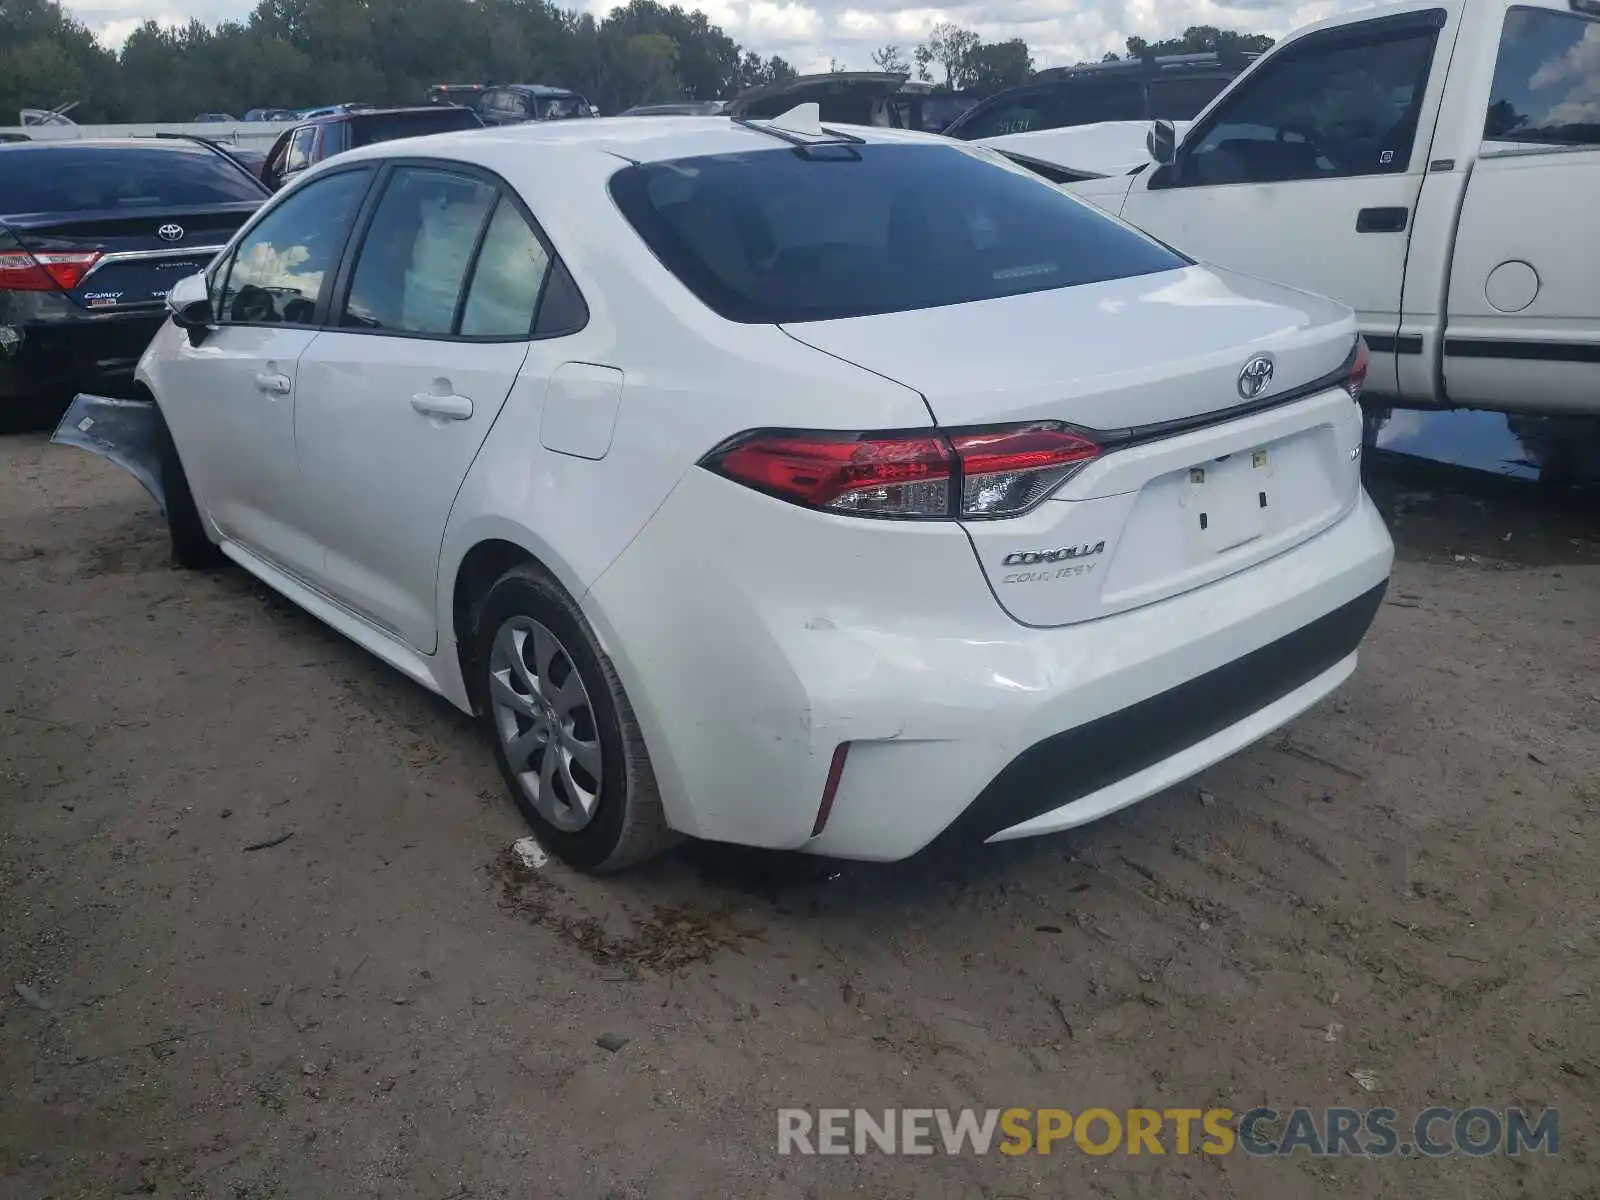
(848,230)
(369,129)
(57,178)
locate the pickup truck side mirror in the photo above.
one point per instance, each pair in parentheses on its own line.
(1162,143)
(189,302)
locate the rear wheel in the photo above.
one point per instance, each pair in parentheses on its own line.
(192,547)
(564,733)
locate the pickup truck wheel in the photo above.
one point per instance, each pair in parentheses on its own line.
(563,732)
(192,547)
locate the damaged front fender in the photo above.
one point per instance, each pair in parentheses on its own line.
(126,432)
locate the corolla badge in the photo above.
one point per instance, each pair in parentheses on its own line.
(1256,376)
(170,233)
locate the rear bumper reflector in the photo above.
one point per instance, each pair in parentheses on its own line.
(831,788)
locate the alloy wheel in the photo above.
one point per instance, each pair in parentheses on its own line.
(545,723)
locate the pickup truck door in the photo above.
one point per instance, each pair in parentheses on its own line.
(1307,170)
(1522,329)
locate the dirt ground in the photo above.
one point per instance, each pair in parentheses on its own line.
(1403,885)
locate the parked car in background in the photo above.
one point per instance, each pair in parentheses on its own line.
(1175,87)
(815,491)
(271,114)
(887,99)
(1433,164)
(685,108)
(216,118)
(329,110)
(515,103)
(319,138)
(465,94)
(93,234)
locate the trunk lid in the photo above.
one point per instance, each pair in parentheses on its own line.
(1196,483)
(141,255)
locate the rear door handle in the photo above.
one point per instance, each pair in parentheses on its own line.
(450,407)
(277,385)
(1382,220)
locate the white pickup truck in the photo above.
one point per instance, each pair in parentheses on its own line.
(1434,165)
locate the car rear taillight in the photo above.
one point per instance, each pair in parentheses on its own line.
(1358,369)
(44,271)
(916,474)
(1007,471)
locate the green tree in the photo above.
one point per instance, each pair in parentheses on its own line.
(948,46)
(1198,39)
(994,65)
(888,58)
(48,59)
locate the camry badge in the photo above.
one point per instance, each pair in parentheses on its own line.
(170,233)
(1256,376)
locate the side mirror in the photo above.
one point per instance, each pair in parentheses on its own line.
(189,302)
(1162,143)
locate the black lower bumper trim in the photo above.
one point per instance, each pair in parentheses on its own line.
(1081,761)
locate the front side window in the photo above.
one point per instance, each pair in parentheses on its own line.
(276,273)
(1332,108)
(772,236)
(1547,81)
(415,255)
(300,148)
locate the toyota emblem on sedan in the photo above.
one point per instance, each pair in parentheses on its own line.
(1256,376)
(170,233)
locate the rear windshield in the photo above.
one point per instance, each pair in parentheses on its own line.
(58,178)
(843,231)
(367,130)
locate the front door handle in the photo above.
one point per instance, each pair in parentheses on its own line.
(277,385)
(450,407)
(1382,220)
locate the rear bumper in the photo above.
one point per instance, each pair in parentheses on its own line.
(93,353)
(1082,774)
(748,666)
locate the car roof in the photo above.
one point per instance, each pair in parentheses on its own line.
(357,114)
(177,145)
(631,139)
(538,89)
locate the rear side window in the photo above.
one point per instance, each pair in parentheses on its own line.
(508,278)
(88,179)
(839,231)
(1547,80)
(416,253)
(368,130)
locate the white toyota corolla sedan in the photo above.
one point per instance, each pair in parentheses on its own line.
(823,489)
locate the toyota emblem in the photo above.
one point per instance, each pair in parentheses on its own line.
(1256,376)
(170,233)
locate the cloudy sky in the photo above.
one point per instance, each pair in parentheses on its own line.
(810,32)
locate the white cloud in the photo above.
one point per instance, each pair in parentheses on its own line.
(809,34)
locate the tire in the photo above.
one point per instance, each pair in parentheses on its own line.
(597,821)
(192,547)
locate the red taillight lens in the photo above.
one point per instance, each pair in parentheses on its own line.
(45,271)
(1358,369)
(922,474)
(894,476)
